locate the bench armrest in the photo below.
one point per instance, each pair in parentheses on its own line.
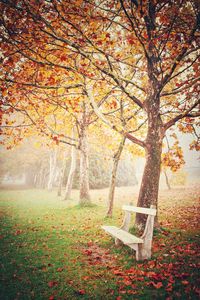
(141,210)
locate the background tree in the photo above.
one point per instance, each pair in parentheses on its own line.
(71,171)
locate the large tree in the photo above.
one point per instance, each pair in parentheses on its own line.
(147,50)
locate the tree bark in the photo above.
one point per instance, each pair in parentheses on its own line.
(70,178)
(52,168)
(60,182)
(167,180)
(113,177)
(150,182)
(43,179)
(38,180)
(84,198)
(148,194)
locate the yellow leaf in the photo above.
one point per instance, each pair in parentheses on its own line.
(61,90)
(37,145)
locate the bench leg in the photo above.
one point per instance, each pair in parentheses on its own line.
(143,252)
(118,242)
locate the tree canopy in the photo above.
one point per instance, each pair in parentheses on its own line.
(135,63)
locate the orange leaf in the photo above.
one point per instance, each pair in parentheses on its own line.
(59,269)
(157,285)
(52,283)
(81,292)
(117,272)
(185,282)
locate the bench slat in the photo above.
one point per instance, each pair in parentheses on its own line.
(142,210)
(126,237)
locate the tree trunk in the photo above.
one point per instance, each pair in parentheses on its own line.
(113,178)
(84,198)
(70,178)
(52,168)
(44,179)
(148,194)
(39,177)
(150,182)
(167,180)
(60,182)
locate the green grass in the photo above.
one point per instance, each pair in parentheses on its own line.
(53,249)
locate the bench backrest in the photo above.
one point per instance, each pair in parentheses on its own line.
(141,210)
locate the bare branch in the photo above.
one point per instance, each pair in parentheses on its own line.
(16,126)
(47,87)
(112,126)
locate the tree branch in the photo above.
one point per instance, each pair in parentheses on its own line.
(112,126)
(47,87)
(187,113)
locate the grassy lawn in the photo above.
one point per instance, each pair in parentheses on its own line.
(51,249)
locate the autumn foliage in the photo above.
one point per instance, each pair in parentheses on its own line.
(135,63)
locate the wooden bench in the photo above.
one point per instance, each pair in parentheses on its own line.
(142,245)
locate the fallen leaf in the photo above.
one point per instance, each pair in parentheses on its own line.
(86,277)
(81,292)
(169,287)
(157,285)
(185,282)
(117,272)
(88,252)
(52,283)
(59,269)
(17,232)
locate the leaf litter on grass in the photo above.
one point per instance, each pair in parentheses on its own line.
(66,255)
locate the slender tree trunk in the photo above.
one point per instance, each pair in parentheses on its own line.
(60,182)
(70,178)
(113,177)
(38,177)
(52,168)
(84,168)
(167,180)
(35,180)
(44,178)
(57,175)
(61,177)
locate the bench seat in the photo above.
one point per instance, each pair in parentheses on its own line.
(124,236)
(143,244)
